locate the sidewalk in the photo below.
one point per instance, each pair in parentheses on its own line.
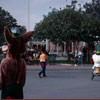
(62,66)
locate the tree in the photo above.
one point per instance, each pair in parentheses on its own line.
(7,20)
(68,25)
(93,8)
(59,26)
(93,11)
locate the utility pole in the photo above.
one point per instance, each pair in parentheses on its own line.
(28,15)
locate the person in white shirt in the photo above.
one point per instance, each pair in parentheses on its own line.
(80,57)
(96,66)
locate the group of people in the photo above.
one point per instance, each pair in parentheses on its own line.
(95,60)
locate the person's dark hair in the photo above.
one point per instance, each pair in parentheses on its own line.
(43,50)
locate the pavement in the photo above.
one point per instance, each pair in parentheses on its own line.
(62,66)
(63,81)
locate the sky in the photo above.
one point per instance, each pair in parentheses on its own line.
(37,8)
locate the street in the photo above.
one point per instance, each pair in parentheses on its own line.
(62,83)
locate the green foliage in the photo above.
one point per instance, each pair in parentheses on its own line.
(93,8)
(90,29)
(59,26)
(68,25)
(7,20)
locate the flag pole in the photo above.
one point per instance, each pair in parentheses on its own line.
(28,15)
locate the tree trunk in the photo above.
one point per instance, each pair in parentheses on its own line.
(67,46)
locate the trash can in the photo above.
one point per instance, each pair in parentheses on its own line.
(52,59)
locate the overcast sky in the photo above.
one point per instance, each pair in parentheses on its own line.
(19,9)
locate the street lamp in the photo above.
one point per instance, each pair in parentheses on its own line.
(28,15)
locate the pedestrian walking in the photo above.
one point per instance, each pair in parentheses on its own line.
(13,67)
(43,63)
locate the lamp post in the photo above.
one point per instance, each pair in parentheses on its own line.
(28,15)
(28,28)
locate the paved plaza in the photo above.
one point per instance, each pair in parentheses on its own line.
(63,81)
